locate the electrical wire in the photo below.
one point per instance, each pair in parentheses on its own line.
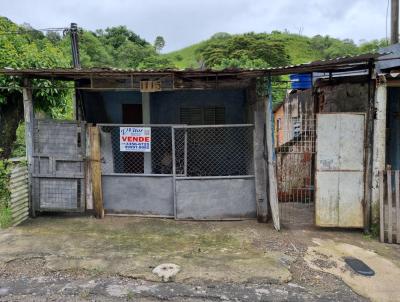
(25,31)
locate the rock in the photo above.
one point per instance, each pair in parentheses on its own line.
(166,271)
(4,291)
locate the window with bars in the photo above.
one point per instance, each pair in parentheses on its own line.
(202,115)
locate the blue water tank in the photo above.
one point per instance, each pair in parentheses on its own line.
(301,80)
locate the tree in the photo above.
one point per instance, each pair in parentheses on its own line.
(248,49)
(26,51)
(159,44)
(116,36)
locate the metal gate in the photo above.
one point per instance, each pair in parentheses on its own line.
(340,170)
(58,166)
(191,172)
(295,151)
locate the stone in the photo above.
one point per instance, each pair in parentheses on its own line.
(166,271)
(4,291)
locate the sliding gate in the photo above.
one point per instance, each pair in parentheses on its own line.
(187,172)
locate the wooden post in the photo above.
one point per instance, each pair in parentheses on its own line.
(95,169)
(379,145)
(397,192)
(259,167)
(390,205)
(29,121)
(272,182)
(381,205)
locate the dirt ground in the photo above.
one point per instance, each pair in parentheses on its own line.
(84,259)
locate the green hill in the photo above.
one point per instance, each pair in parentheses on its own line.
(185,57)
(298,48)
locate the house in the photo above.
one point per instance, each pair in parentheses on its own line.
(198,144)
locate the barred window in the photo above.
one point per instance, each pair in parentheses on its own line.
(202,115)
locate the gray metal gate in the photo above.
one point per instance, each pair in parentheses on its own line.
(192,172)
(58,166)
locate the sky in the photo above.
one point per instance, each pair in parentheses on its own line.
(184,22)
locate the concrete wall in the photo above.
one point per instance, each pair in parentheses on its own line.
(215,198)
(165,105)
(151,195)
(345,97)
(106,106)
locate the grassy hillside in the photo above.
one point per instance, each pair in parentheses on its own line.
(185,57)
(300,49)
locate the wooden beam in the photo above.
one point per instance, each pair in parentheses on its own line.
(29,124)
(382,205)
(95,170)
(259,167)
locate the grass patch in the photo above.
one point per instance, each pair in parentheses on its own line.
(5,217)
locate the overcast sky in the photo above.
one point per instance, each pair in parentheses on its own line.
(183,22)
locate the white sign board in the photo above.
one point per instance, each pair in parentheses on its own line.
(135,139)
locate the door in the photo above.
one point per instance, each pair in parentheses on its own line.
(58,166)
(339,176)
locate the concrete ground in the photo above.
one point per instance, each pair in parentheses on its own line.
(84,259)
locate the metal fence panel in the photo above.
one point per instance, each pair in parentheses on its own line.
(114,160)
(295,152)
(220,150)
(217,150)
(389,187)
(58,165)
(19,189)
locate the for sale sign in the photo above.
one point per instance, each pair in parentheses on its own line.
(135,139)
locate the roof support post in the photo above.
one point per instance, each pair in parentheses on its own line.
(379,144)
(271,158)
(29,126)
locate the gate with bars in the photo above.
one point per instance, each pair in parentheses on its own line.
(295,152)
(58,166)
(192,172)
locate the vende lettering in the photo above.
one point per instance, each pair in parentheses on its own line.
(139,139)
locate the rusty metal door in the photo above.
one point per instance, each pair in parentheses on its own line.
(340,170)
(58,166)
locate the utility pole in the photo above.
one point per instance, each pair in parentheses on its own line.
(394,22)
(74,45)
(73,31)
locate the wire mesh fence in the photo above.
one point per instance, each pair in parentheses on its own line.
(220,150)
(214,150)
(295,150)
(157,161)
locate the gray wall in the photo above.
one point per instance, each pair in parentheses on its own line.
(151,195)
(106,106)
(215,198)
(165,105)
(346,97)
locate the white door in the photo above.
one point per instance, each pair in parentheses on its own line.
(340,170)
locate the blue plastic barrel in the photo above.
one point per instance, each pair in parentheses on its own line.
(301,80)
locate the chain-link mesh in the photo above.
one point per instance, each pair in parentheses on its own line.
(214,151)
(208,151)
(158,161)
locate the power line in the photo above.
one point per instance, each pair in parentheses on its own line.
(25,31)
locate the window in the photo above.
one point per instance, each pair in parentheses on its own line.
(202,115)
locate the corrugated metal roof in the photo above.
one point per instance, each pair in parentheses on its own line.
(346,63)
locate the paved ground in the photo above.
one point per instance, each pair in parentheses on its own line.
(84,259)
